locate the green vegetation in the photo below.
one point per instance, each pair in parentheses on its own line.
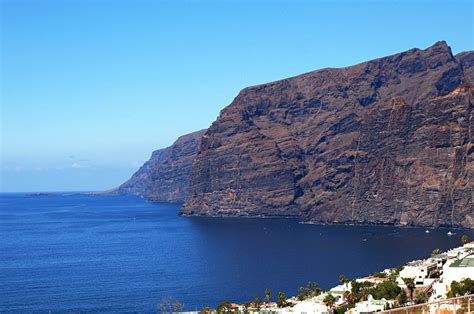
(224,307)
(410,283)
(380,275)
(342,309)
(268,295)
(402,297)
(394,273)
(282,302)
(421,297)
(343,279)
(310,290)
(465,239)
(387,289)
(329,300)
(360,291)
(464,287)
(435,252)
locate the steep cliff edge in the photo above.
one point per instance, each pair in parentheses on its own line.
(466,59)
(385,141)
(165,176)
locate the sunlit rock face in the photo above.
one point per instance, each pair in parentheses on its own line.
(386,141)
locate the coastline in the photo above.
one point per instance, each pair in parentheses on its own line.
(441,282)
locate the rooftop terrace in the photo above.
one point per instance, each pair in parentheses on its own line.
(465,262)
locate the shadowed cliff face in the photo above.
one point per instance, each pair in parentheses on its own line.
(386,141)
(466,59)
(165,177)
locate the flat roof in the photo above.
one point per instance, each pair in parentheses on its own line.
(421,263)
(465,262)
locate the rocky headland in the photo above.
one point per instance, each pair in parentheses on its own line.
(388,141)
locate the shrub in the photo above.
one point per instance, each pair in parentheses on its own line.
(421,298)
(464,287)
(380,275)
(387,289)
(465,239)
(224,307)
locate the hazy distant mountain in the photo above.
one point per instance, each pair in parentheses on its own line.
(165,177)
(385,141)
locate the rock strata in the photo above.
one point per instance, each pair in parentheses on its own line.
(387,141)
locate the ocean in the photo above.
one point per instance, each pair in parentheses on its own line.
(73,252)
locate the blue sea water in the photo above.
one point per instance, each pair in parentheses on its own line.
(71,252)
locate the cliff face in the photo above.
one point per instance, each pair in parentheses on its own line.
(165,177)
(466,59)
(385,141)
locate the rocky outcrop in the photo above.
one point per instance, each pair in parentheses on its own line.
(466,59)
(165,177)
(386,141)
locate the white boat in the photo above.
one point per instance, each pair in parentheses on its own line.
(427,231)
(450,233)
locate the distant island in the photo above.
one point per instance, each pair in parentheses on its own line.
(388,141)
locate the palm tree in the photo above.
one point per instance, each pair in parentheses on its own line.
(310,290)
(268,295)
(224,307)
(435,252)
(422,297)
(348,297)
(465,239)
(281,299)
(402,297)
(410,283)
(329,300)
(343,280)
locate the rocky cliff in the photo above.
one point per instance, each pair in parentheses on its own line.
(165,177)
(466,59)
(386,141)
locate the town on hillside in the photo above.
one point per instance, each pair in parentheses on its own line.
(442,283)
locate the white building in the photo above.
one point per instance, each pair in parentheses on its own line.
(371,306)
(339,291)
(419,271)
(454,269)
(440,259)
(469,245)
(308,307)
(461,252)
(457,270)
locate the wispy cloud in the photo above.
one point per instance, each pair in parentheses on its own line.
(77,165)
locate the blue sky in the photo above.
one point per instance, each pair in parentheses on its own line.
(91,88)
